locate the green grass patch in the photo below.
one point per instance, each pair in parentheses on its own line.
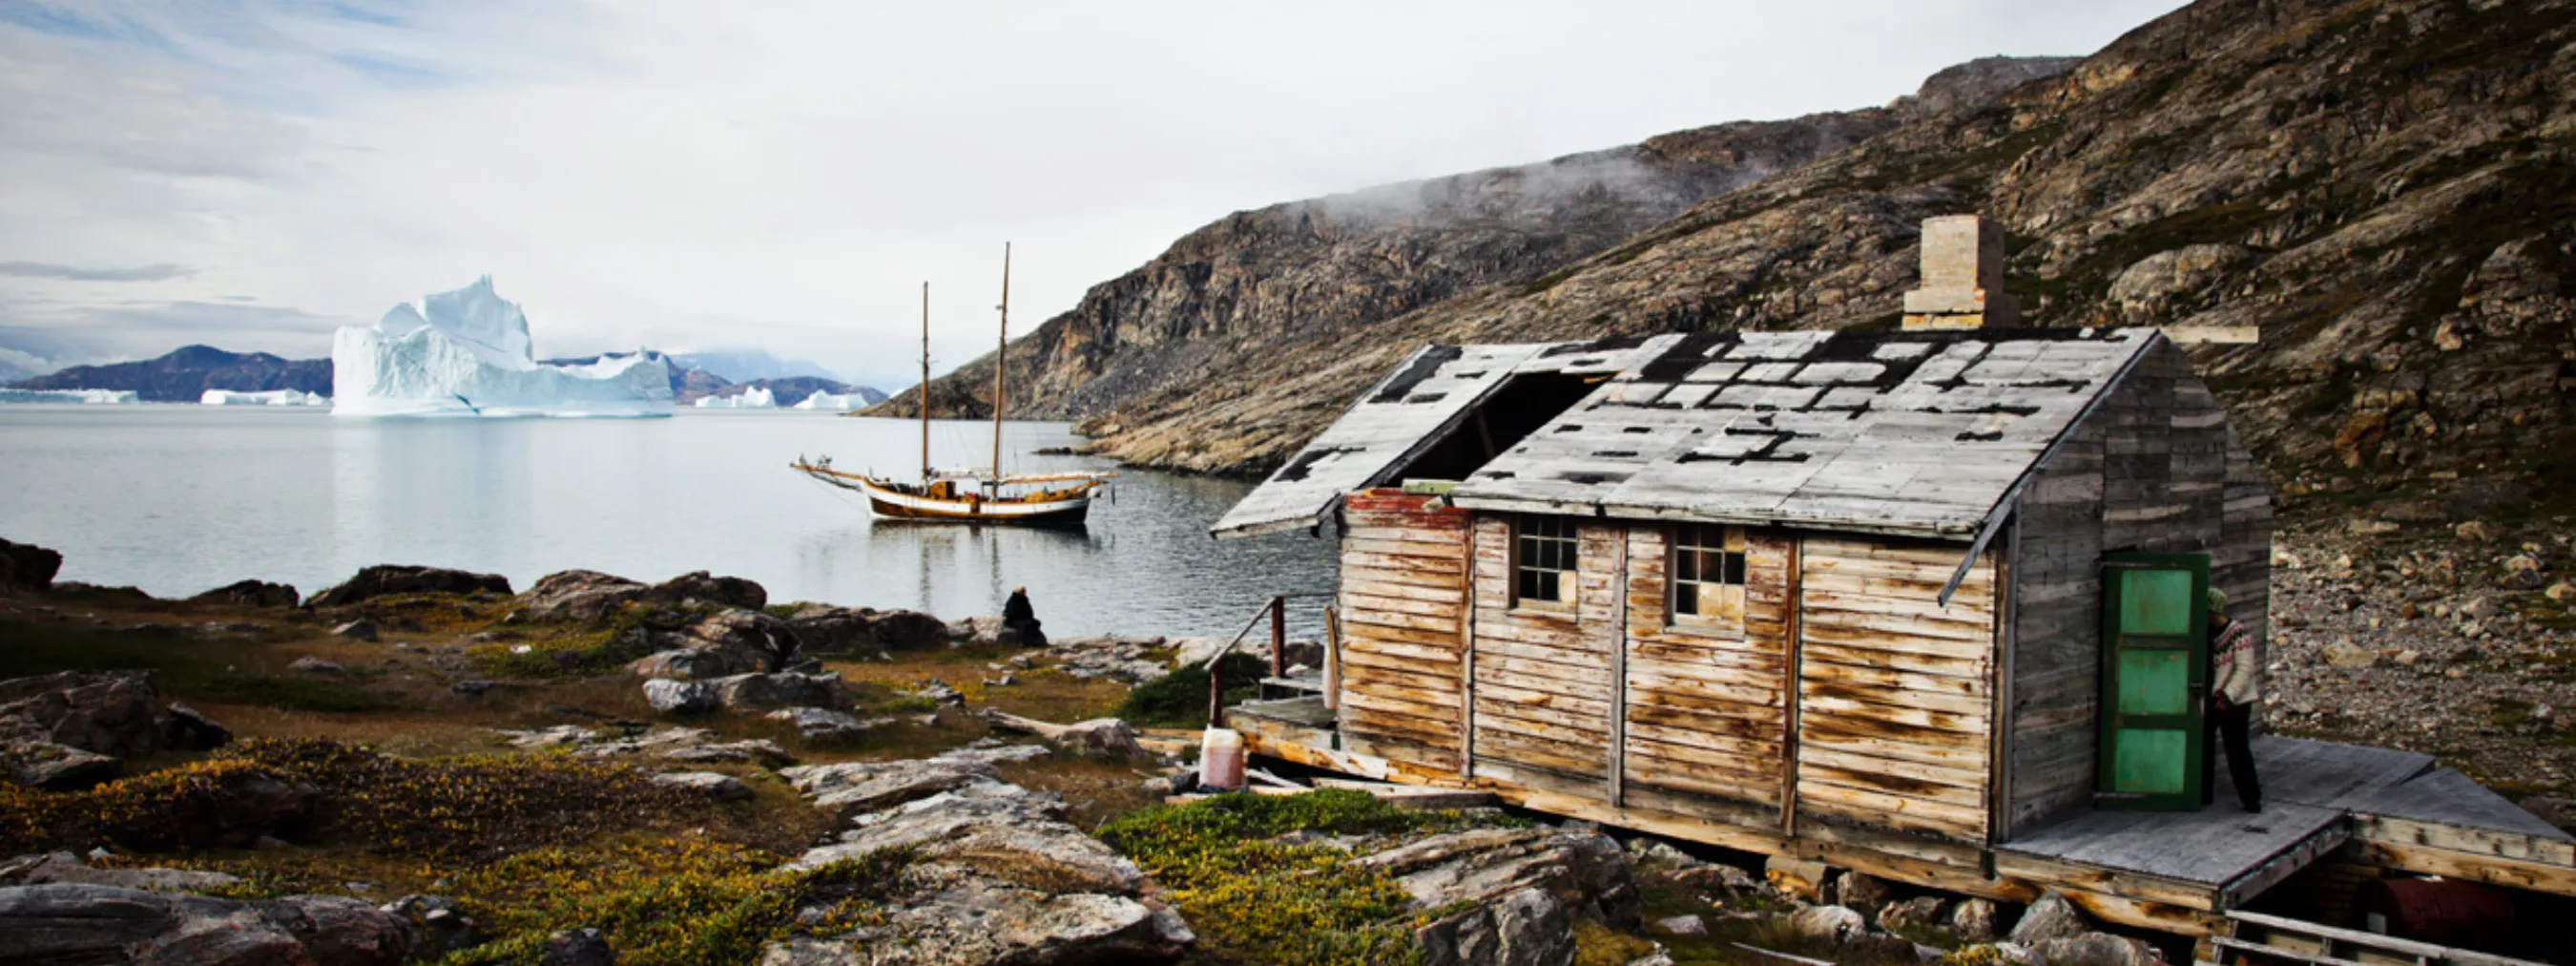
(1180,699)
(582,653)
(667,902)
(1252,898)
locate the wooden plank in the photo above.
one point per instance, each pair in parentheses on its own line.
(1452,537)
(1356,574)
(1444,627)
(1363,584)
(1431,712)
(1971,728)
(1419,550)
(1824,737)
(1969,800)
(1694,741)
(1357,657)
(1396,756)
(1587,761)
(1878,807)
(1596,678)
(1949,776)
(2455,838)
(1452,608)
(1357,627)
(1598,707)
(1865,656)
(1489,704)
(1443,656)
(1583,658)
(1823,679)
(1593,735)
(1450,567)
(2493,870)
(1894,680)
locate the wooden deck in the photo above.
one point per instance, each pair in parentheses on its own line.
(2174,871)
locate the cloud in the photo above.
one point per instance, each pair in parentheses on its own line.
(141,273)
(787,175)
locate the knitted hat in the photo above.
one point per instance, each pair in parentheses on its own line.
(2217,600)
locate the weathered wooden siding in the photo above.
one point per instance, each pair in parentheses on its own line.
(1895,691)
(2057,637)
(1706,710)
(1403,610)
(1544,680)
(2156,468)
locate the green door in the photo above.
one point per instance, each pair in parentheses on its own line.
(2155,655)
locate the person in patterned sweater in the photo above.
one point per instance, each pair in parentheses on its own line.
(2235,684)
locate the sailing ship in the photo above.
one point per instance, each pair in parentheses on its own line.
(977,495)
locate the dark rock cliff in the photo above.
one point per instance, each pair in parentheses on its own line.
(1306,273)
(2387,190)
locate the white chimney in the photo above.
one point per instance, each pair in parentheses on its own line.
(1963,277)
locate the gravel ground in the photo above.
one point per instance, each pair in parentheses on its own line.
(2455,644)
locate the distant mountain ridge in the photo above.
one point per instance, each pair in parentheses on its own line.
(184,375)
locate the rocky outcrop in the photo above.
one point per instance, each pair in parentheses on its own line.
(588,595)
(385,580)
(825,628)
(113,713)
(998,875)
(720,645)
(689,745)
(82,923)
(69,867)
(715,785)
(825,724)
(27,568)
(250,593)
(1527,887)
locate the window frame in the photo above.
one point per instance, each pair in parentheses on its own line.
(1707,625)
(1569,581)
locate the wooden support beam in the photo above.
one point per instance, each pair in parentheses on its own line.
(2517,873)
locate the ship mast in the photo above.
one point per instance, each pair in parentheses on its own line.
(925,384)
(1000,363)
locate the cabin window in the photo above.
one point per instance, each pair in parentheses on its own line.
(1543,562)
(1708,576)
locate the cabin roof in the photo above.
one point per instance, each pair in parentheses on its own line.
(1907,432)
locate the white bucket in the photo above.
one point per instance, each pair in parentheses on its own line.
(1221,759)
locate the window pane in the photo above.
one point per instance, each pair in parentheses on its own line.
(1734,569)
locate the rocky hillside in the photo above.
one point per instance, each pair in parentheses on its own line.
(1304,274)
(2385,189)
(186,373)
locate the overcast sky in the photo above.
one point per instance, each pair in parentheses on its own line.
(690,175)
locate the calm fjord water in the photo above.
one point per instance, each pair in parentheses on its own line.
(178,499)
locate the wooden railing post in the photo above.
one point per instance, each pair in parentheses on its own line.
(1279,637)
(1216,691)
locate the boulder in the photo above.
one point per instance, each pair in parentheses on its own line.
(906,630)
(439,925)
(715,785)
(998,877)
(188,729)
(1860,893)
(27,568)
(699,587)
(1681,926)
(670,696)
(85,923)
(69,867)
(385,580)
(577,595)
(250,593)
(939,693)
(2052,917)
(826,628)
(1916,913)
(758,751)
(57,767)
(1827,925)
(730,642)
(1974,919)
(742,692)
(1520,891)
(824,724)
(2097,949)
(871,786)
(361,629)
(579,947)
(1796,878)
(114,713)
(315,665)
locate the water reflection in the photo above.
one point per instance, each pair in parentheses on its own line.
(179,499)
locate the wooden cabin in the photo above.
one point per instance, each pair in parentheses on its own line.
(1924,602)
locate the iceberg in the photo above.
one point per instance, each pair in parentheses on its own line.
(272,397)
(825,400)
(755,397)
(91,397)
(467,353)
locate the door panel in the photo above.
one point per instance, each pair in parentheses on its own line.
(2155,654)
